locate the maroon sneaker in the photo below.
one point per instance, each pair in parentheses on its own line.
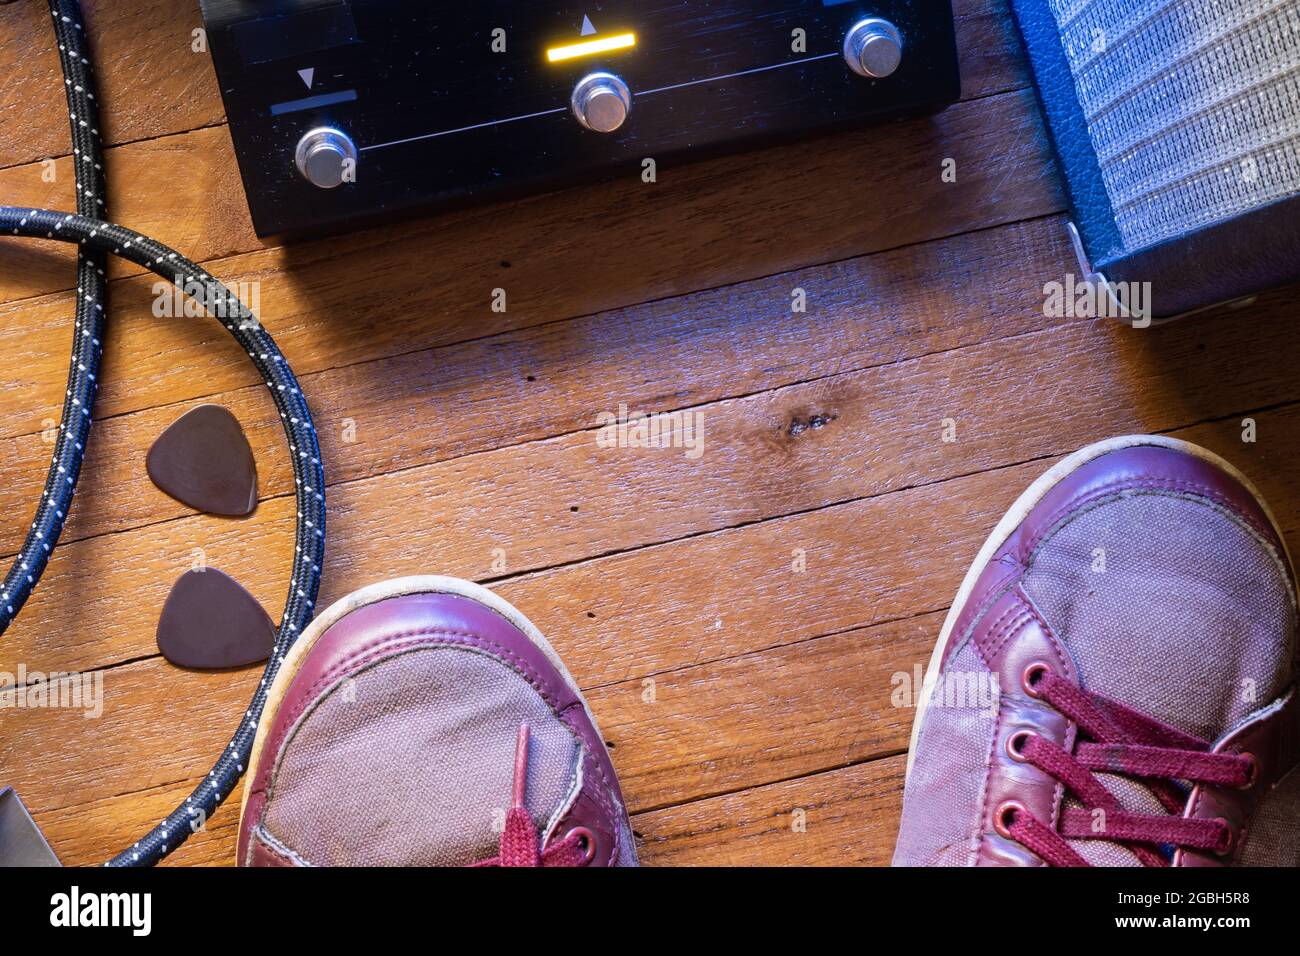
(426,722)
(1114,684)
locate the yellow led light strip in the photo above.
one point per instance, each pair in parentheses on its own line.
(621,41)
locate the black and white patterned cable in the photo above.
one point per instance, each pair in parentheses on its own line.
(309,479)
(96,239)
(88,329)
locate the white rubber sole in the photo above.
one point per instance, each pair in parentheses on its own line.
(373,594)
(1012,520)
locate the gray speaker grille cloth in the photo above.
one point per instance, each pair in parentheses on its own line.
(1193,106)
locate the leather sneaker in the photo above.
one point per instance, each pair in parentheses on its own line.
(1114,684)
(426,722)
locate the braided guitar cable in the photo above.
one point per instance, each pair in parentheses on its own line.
(88,325)
(308,474)
(96,239)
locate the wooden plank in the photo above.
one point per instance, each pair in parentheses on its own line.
(565,500)
(437,404)
(183,190)
(79,618)
(849,817)
(88,834)
(989,51)
(153,83)
(771,715)
(359,298)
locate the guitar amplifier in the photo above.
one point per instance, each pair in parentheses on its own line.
(1177,127)
(350,111)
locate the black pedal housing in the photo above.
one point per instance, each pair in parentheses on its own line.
(439,113)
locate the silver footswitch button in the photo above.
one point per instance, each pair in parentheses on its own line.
(601,102)
(324,155)
(873,48)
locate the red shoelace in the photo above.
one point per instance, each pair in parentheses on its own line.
(1119,741)
(520,843)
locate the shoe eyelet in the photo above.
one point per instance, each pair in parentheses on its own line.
(1226,849)
(1254,771)
(588,840)
(1032,675)
(1005,815)
(1016,745)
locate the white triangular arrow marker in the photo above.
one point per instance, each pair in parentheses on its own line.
(307,75)
(587,28)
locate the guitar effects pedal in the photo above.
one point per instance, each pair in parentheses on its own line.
(352,111)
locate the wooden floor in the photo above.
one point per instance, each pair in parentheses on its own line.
(770,588)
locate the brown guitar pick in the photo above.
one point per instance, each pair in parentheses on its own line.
(210,622)
(203,460)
